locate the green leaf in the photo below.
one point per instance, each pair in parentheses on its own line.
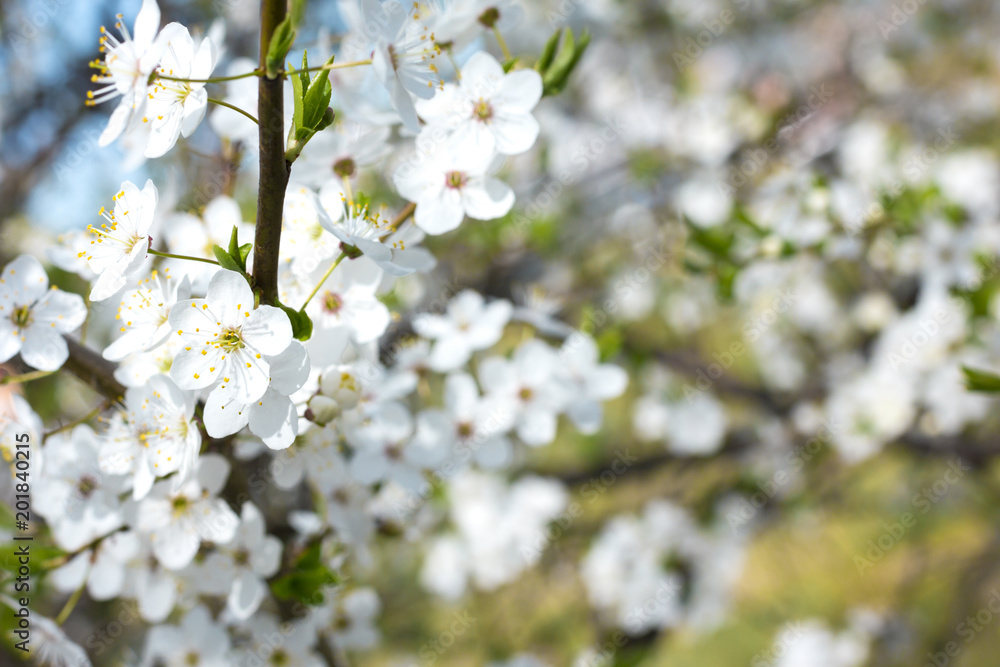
(281,43)
(234,242)
(509,65)
(555,75)
(225,259)
(307,579)
(244,251)
(298,11)
(980,380)
(302,326)
(548,53)
(317,98)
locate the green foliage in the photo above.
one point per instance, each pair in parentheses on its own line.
(235,258)
(312,112)
(308,578)
(302,326)
(980,380)
(558,60)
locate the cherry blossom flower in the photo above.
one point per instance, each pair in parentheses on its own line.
(226,339)
(243,564)
(154,437)
(143,314)
(120,245)
(487,110)
(273,417)
(528,386)
(405,54)
(176,108)
(469,324)
(447,181)
(178,520)
(127,67)
(33,318)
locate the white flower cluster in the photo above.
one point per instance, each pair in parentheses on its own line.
(661,570)
(140,495)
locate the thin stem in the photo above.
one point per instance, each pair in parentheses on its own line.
(215,79)
(26,377)
(322,280)
(71,602)
(233,107)
(403,215)
(76,422)
(187,257)
(320,68)
(274,168)
(399,220)
(502,42)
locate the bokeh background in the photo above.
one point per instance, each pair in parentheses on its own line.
(780,216)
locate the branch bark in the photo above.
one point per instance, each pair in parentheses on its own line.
(93,370)
(273,167)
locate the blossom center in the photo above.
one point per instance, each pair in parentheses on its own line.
(231,340)
(455,180)
(482,111)
(332,303)
(86,487)
(465,430)
(180,505)
(525,394)
(21,317)
(344,167)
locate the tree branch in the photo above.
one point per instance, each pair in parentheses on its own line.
(94,370)
(273,167)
